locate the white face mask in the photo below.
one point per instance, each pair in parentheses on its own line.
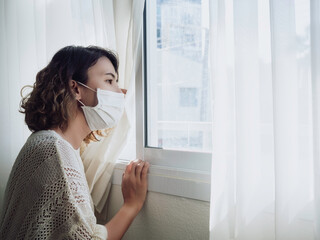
(107,112)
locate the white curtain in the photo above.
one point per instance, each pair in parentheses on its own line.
(99,157)
(265,69)
(32,31)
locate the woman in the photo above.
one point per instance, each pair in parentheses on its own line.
(47,196)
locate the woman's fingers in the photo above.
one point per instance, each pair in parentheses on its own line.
(131,167)
(128,168)
(134,166)
(134,184)
(139,168)
(133,170)
(145,171)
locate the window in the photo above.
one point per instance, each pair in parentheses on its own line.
(173,99)
(188,97)
(177,97)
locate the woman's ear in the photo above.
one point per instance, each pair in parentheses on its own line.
(74,86)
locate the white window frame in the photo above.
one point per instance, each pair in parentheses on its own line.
(179,173)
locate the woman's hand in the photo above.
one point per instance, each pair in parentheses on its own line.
(134,185)
(134,191)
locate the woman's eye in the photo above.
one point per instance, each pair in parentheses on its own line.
(110,81)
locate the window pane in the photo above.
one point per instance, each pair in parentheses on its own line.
(178,91)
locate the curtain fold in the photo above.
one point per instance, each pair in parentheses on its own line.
(265,73)
(20,59)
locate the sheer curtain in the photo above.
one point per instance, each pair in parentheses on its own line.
(31,32)
(266,85)
(125,19)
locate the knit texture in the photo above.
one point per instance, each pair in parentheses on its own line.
(47,195)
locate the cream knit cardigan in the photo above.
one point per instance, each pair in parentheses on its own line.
(47,195)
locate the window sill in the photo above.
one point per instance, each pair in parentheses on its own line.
(173,181)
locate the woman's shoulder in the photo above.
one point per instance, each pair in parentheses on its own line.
(43,136)
(44,145)
(41,139)
(37,165)
(40,144)
(46,153)
(49,141)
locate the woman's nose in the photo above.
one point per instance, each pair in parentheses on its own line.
(124,91)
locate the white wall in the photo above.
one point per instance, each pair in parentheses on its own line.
(165,217)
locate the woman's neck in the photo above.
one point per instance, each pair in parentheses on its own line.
(76,131)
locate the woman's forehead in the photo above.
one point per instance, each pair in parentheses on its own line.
(103,67)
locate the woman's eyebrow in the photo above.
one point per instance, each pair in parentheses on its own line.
(111,75)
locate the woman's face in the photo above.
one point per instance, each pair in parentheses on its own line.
(101,75)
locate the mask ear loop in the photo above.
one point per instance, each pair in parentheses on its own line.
(81,103)
(86,86)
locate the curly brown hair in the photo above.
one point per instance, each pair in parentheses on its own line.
(51,102)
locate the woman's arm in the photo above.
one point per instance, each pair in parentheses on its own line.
(134,190)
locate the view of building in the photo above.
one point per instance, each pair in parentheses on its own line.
(178,81)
